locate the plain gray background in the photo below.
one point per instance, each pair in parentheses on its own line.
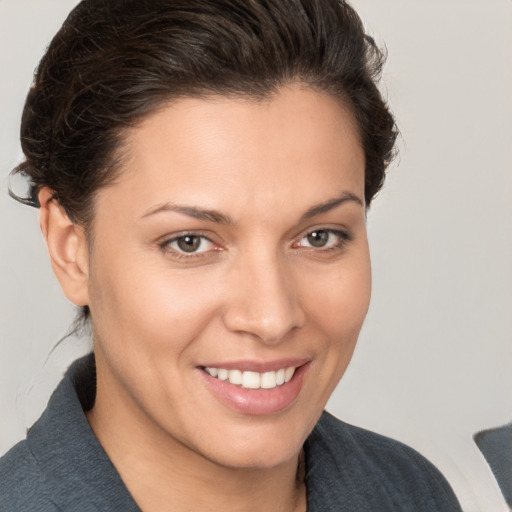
(434,360)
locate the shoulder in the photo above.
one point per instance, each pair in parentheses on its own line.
(61,466)
(373,470)
(375,451)
(22,485)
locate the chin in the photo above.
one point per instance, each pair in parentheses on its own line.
(258,448)
(257,458)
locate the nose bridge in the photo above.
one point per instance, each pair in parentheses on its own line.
(264,304)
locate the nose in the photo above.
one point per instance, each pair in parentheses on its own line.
(263,300)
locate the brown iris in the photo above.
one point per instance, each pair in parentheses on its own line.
(189,243)
(318,238)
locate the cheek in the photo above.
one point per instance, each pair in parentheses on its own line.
(338,308)
(340,301)
(148,309)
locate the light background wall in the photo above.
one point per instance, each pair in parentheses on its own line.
(434,361)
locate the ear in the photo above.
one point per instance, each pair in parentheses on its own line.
(68,248)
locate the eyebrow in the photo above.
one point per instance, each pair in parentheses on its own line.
(220,218)
(191,211)
(331,204)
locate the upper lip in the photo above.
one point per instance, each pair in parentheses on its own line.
(257,366)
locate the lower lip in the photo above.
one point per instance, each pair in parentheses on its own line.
(257,402)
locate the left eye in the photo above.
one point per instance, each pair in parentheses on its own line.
(190,243)
(323,239)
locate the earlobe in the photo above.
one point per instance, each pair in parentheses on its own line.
(67,246)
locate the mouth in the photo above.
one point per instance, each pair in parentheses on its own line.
(251,379)
(244,389)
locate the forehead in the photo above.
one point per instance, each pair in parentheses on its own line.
(297,143)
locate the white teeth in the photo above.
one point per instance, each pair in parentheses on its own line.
(212,371)
(222,374)
(268,380)
(288,374)
(235,377)
(253,380)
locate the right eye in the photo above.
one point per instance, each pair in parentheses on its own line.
(189,243)
(324,238)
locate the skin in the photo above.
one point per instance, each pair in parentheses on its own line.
(257,290)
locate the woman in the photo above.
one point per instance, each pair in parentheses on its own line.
(203,172)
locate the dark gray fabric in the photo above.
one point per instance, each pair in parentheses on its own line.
(352,469)
(62,467)
(496,445)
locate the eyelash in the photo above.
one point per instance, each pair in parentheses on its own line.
(165,246)
(343,238)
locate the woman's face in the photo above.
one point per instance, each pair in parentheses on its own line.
(230,255)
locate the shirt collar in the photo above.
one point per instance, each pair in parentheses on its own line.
(76,468)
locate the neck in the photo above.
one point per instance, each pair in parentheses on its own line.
(163,474)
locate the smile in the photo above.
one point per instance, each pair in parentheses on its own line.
(251,379)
